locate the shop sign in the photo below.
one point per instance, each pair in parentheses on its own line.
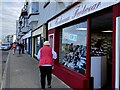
(80,10)
(27,35)
(38,31)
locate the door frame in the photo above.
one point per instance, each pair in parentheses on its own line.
(53,39)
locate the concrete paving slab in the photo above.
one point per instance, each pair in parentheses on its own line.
(23,72)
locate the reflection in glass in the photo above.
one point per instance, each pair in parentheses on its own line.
(73,47)
(33,7)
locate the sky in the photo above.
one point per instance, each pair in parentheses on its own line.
(9,13)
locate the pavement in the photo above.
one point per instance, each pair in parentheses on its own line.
(21,71)
(3,58)
(0,67)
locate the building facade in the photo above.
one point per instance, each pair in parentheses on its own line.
(85,36)
(40,33)
(85,40)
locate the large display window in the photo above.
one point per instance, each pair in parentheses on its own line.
(73,47)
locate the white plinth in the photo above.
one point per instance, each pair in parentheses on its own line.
(99,70)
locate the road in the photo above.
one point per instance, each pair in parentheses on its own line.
(3,58)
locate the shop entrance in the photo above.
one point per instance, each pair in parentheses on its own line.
(101,50)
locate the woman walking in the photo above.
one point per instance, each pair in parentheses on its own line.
(45,56)
(14,48)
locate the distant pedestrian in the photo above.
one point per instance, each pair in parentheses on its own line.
(14,48)
(45,56)
(17,46)
(20,47)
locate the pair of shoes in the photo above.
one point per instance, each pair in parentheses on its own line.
(49,86)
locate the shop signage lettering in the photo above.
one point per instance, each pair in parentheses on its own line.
(78,11)
(81,9)
(60,20)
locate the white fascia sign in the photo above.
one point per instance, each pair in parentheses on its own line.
(38,31)
(27,35)
(84,8)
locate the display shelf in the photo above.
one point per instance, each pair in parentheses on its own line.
(99,70)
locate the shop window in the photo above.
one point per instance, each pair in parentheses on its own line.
(73,47)
(34,7)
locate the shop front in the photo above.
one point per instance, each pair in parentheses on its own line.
(38,37)
(27,42)
(84,38)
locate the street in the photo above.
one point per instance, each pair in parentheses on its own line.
(3,59)
(21,71)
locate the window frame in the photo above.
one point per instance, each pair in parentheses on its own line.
(60,49)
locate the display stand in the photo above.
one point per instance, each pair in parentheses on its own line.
(99,70)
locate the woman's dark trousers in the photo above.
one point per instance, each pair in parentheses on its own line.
(45,71)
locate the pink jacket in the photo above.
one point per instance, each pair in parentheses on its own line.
(45,56)
(13,46)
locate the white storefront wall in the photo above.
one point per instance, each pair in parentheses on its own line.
(27,35)
(85,8)
(38,32)
(117,68)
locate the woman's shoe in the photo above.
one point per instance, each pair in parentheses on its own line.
(49,86)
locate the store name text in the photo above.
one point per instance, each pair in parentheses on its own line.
(79,10)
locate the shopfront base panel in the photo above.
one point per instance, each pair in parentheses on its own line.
(71,78)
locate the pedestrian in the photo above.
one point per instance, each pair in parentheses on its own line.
(45,56)
(14,48)
(20,48)
(17,46)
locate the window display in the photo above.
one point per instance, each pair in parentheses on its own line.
(97,49)
(73,47)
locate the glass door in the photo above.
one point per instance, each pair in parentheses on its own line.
(101,50)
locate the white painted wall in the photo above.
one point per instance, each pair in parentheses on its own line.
(117,69)
(49,11)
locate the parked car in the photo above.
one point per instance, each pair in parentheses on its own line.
(5,46)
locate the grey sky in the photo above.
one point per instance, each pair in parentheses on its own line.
(9,13)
